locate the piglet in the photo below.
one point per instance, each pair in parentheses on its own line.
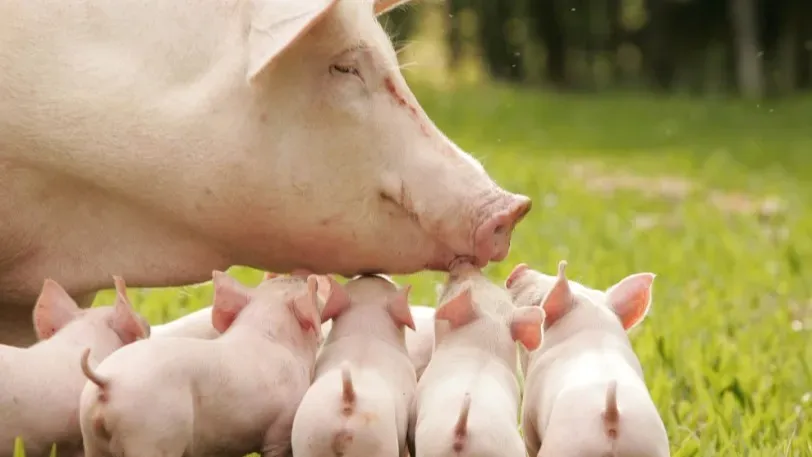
(359,403)
(231,395)
(467,401)
(587,377)
(40,385)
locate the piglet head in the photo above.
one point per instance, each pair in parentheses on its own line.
(398,307)
(305,307)
(335,296)
(123,320)
(230,298)
(553,294)
(54,310)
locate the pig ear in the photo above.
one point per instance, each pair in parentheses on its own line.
(383,6)
(559,299)
(399,308)
(230,297)
(276,25)
(525,326)
(127,324)
(630,298)
(458,311)
(269,275)
(306,307)
(337,300)
(53,310)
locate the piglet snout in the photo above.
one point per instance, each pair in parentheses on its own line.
(492,237)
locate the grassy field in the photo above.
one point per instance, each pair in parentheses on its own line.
(713,196)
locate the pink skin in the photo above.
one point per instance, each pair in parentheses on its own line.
(39,385)
(301,145)
(269,340)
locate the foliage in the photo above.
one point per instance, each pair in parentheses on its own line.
(709,195)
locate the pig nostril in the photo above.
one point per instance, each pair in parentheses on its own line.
(500,229)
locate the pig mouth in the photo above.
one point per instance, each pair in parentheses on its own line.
(493,224)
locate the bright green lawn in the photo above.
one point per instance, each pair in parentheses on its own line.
(727,347)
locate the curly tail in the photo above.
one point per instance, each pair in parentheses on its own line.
(461,427)
(611,414)
(98,420)
(347,390)
(93,377)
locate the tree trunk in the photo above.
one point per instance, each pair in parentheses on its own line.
(788,45)
(454,34)
(616,33)
(659,51)
(503,59)
(546,24)
(749,65)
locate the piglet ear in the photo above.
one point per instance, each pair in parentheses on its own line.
(306,308)
(127,324)
(337,300)
(383,6)
(559,299)
(525,326)
(458,311)
(630,298)
(54,310)
(399,308)
(230,297)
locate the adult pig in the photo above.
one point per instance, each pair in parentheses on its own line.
(586,377)
(185,136)
(40,385)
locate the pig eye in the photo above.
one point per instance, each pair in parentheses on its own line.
(346,69)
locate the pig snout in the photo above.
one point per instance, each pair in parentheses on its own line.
(493,234)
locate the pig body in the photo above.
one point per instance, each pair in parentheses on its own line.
(586,377)
(196,324)
(299,142)
(40,385)
(359,402)
(468,398)
(229,396)
(420,341)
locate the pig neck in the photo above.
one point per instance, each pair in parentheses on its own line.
(266,327)
(481,341)
(582,329)
(368,323)
(78,336)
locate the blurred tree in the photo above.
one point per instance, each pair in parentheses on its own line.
(545,22)
(453,30)
(749,65)
(503,58)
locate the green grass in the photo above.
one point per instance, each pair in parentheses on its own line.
(727,348)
